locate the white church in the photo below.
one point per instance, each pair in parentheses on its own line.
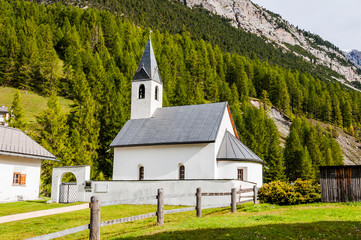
(184,142)
(175,148)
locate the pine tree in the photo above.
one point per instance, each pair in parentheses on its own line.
(347,115)
(329,159)
(274,157)
(337,116)
(84,126)
(307,170)
(293,154)
(53,136)
(17,115)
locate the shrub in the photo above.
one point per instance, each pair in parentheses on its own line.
(283,193)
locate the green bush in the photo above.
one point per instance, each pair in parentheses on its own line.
(283,193)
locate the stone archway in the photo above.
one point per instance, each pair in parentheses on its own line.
(81,173)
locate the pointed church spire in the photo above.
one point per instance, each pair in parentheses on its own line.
(148,68)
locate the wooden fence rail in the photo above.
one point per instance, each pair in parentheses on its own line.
(61,233)
(95,204)
(128,219)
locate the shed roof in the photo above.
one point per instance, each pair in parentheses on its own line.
(16,143)
(173,125)
(232,149)
(148,68)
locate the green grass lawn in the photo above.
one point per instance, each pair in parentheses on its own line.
(311,221)
(32,103)
(29,206)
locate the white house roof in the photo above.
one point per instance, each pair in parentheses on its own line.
(173,125)
(232,149)
(4,109)
(16,143)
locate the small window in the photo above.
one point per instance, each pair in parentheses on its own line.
(156,93)
(141,91)
(182,172)
(19,179)
(141,173)
(240,175)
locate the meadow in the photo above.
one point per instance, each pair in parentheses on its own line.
(261,221)
(31,102)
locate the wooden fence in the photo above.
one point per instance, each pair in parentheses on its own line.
(95,221)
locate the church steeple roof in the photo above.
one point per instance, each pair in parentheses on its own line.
(148,68)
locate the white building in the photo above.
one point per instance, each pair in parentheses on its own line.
(4,115)
(20,165)
(177,149)
(178,143)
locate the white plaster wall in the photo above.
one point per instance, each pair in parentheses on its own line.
(81,173)
(162,162)
(30,167)
(226,124)
(144,108)
(144,192)
(253,171)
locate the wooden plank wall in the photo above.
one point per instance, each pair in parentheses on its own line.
(340,183)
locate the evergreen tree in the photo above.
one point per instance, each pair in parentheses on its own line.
(274,156)
(347,114)
(53,136)
(337,116)
(17,115)
(293,154)
(307,170)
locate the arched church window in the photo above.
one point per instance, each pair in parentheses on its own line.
(141,91)
(156,92)
(141,173)
(182,172)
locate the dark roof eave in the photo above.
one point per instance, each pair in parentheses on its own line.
(145,79)
(242,160)
(158,144)
(40,157)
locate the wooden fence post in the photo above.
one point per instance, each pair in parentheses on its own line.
(255,194)
(160,210)
(234,200)
(199,202)
(94,218)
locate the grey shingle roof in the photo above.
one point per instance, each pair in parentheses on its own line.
(4,109)
(173,125)
(148,68)
(233,149)
(14,142)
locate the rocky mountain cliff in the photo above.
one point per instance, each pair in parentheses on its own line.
(253,18)
(355,57)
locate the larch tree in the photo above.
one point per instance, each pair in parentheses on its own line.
(53,136)
(17,115)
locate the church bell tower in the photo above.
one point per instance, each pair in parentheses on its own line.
(147,86)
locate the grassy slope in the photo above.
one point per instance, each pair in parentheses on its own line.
(32,103)
(313,221)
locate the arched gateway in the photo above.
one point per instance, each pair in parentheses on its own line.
(69,192)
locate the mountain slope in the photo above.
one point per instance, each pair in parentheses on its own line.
(355,57)
(99,52)
(251,17)
(174,17)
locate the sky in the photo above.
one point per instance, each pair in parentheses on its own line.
(337,21)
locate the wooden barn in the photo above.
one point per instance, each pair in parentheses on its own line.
(340,183)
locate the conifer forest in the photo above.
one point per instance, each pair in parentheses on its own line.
(90,56)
